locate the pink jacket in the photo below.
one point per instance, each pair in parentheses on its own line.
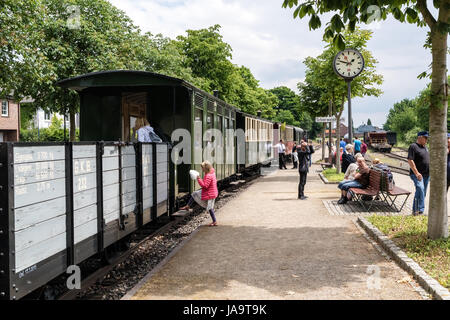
(209,185)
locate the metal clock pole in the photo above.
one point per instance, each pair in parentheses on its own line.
(349,98)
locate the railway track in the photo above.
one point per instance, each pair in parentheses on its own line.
(393,168)
(396,156)
(143,236)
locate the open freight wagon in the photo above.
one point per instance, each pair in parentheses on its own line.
(61,203)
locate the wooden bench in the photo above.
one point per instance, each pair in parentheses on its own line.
(391,195)
(373,189)
(379,187)
(326,165)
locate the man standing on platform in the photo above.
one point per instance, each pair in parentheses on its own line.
(281,149)
(303,157)
(357,146)
(342,144)
(419,162)
(363,148)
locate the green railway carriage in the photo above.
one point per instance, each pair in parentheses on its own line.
(89,197)
(111,101)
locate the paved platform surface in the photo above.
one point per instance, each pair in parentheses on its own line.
(269,245)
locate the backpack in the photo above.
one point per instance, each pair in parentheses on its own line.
(153,136)
(387,178)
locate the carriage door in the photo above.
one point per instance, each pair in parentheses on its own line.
(198,138)
(134,105)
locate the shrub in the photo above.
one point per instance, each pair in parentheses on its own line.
(411,135)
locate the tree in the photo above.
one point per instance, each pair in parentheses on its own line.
(398,108)
(311,103)
(209,58)
(403,122)
(369,122)
(160,54)
(285,116)
(207,55)
(63,43)
(19,59)
(414,12)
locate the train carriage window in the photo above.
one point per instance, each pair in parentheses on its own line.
(198,134)
(134,105)
(198,100)
(133,134)
(247,129)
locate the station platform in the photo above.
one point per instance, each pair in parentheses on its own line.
(270,245)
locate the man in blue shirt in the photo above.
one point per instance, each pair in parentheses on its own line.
(357,146)
(342,144)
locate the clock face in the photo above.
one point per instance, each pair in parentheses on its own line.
(348,63)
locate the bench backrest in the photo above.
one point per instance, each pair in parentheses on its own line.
(375,179)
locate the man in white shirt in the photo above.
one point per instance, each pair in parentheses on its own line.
(281,149)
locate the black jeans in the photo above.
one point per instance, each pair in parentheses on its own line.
(301,185)
(281,161)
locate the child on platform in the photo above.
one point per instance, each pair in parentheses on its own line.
(209,192)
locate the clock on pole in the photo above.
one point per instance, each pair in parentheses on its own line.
(348,64)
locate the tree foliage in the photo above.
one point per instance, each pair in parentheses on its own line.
(44,41)
(410,114)
(209,58)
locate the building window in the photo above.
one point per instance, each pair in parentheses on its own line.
(47,116)
(5,108)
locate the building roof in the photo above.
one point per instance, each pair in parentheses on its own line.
(365,128)
(118,78)
(128,78)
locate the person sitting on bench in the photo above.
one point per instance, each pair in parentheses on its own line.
(351,170)
(347,157)
(361,180)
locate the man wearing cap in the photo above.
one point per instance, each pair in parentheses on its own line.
(419,162)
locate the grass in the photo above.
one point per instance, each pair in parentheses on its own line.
(401,144)
(410,234)
(332,176)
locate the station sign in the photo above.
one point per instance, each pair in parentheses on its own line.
(326,119)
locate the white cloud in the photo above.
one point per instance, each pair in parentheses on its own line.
(266,39)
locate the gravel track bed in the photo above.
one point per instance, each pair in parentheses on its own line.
(128,273)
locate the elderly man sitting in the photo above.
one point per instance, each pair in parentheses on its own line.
(361,180)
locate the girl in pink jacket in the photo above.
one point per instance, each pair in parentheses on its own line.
(208,194)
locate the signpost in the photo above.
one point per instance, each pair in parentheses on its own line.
(326,119)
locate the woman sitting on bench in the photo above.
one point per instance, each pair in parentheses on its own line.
(361,180)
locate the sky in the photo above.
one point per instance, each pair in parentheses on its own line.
(265,38)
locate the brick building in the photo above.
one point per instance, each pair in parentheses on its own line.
(343,130)
(9,120)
